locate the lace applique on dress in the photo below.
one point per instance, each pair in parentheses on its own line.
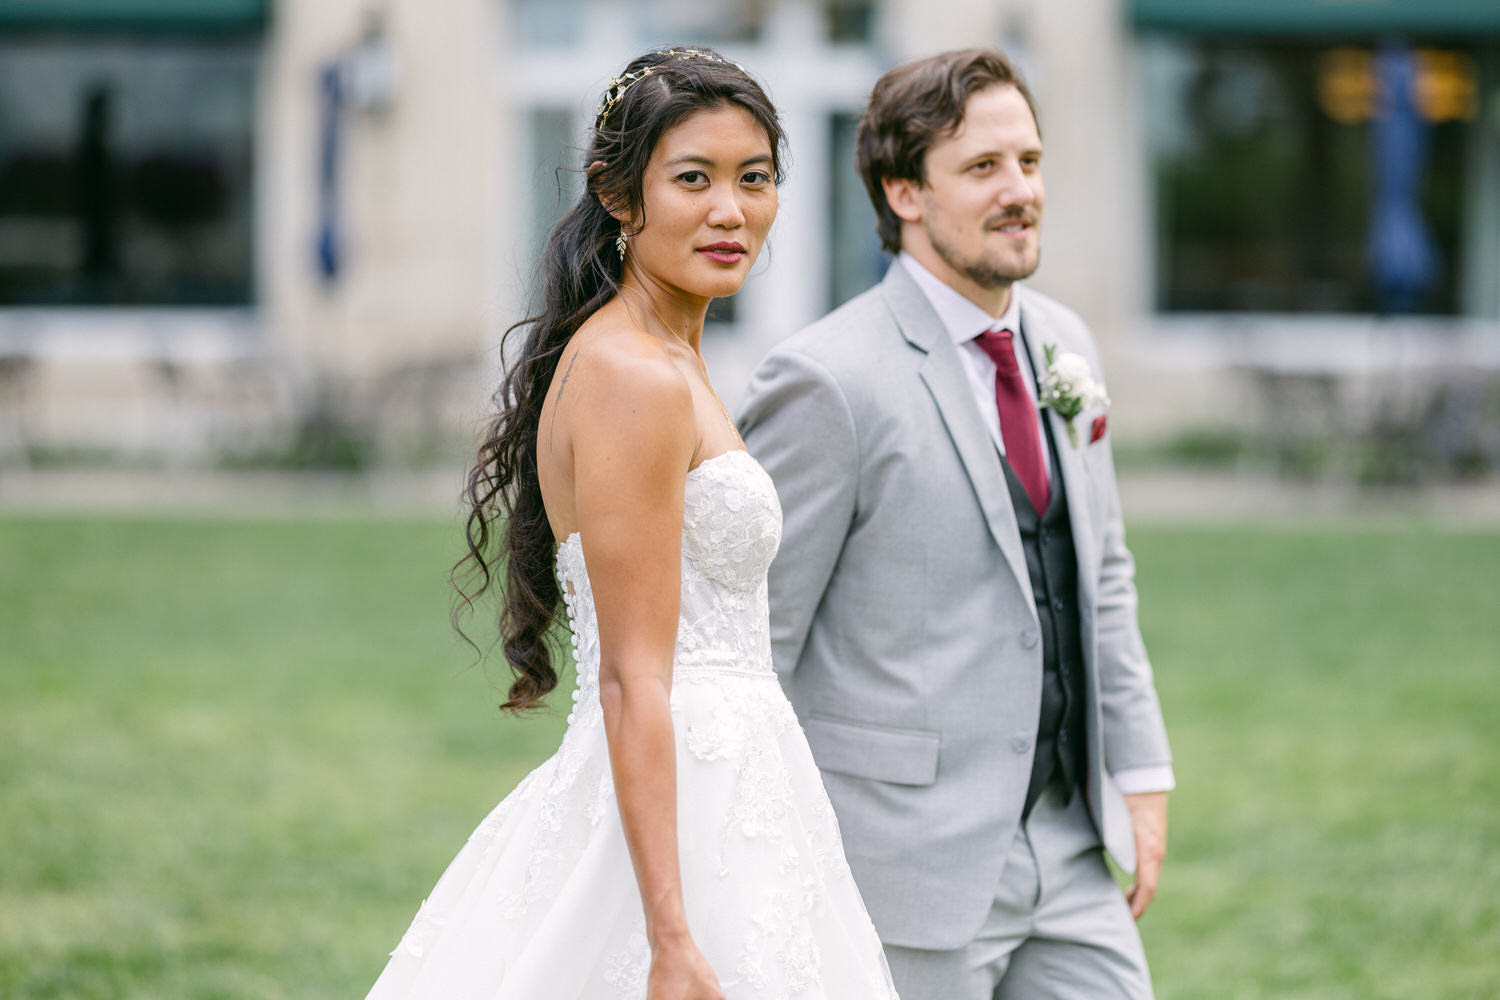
(542,903)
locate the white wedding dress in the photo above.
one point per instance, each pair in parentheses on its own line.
(542,903)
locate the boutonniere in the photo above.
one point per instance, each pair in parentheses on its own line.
(1069,387)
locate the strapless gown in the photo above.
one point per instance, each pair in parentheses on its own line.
(542,903)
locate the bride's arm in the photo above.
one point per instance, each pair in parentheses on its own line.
(633,434)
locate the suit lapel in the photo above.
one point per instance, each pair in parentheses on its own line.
(942,372)
(1069,458)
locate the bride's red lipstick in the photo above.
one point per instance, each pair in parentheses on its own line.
(725,253)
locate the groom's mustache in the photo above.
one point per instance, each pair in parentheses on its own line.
(1010,217)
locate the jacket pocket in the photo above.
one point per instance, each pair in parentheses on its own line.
(897,756)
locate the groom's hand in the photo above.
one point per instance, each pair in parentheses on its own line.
(1148,815)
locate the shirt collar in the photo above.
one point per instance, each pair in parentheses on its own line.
(963,319)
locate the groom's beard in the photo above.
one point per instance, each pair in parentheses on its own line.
(986,272)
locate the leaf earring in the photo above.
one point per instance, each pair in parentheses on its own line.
(620,244)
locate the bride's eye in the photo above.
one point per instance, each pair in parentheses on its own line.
(693,177)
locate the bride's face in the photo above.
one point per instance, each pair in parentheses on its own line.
(709,199)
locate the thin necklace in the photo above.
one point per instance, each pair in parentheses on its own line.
(702,366)
(722,409)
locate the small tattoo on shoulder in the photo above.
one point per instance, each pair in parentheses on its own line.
(557,400)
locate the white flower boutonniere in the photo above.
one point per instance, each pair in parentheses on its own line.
(1069,387)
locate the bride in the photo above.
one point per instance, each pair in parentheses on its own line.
(679,845)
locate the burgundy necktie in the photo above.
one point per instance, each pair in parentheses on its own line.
(1018,420)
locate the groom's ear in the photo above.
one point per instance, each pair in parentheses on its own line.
(901,195)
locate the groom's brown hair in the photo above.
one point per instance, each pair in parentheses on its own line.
(913,106)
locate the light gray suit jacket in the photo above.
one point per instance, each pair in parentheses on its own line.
(902,618)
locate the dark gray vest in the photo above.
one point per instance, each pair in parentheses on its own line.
(1052,561)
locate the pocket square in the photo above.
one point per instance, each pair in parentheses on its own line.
(1101,424)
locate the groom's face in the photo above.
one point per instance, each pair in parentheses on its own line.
(978,215)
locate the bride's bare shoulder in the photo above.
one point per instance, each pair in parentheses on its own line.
(615,377)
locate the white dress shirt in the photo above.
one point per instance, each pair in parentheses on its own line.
(964,321)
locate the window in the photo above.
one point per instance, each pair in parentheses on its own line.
(1319,178)
(855,260)
(126,170)
(556,175)
(548,22)
(570,22)
(719,23)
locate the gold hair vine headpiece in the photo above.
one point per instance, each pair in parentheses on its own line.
(619,84)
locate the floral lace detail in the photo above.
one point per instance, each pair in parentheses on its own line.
(735,521)
(763,869)
(731,528)
(628,968)
(558,844)
(424,929)
(747,717)
(771,943)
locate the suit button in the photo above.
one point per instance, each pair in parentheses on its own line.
(1057,604)
(1062,737)
(1028,638)
(1045,536)
(1020,744)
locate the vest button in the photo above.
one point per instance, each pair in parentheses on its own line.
(1028,638)
(1020,744)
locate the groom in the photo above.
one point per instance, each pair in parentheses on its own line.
(953,607)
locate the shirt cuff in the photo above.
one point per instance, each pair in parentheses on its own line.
(1139,780)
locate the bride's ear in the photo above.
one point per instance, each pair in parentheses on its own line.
(612,204)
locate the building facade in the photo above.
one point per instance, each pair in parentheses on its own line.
(243,229)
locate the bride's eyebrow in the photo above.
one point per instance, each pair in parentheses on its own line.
(705,161)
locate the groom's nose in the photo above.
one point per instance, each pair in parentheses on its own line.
(1017,188)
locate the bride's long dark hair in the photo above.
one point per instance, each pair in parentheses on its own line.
(580,272)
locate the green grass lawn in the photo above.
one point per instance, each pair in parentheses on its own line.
(235,755)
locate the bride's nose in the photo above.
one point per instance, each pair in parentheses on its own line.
(724,210)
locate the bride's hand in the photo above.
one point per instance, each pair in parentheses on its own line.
(680,972)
